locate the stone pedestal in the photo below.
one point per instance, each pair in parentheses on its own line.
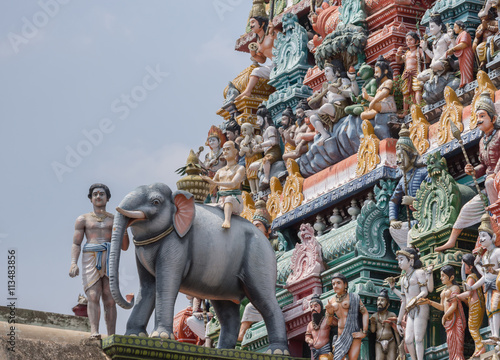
(119,347)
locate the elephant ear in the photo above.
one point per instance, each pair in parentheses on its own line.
(184,211)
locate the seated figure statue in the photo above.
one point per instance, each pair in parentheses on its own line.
(484,33)
(383,101)
(439,74)
(330,102)
(489,156)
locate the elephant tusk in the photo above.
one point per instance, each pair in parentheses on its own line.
(133,214)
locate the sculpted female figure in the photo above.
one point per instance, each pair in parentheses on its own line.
(454,317)
(214,160)
(415,285)
(490,260)
(246,149)
(475,300)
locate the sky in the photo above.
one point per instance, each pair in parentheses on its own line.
(110,91)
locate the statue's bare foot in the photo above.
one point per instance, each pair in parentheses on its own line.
(265,181)
(477,354)
(449,244)
(226,225)
(322,139)
(95,336)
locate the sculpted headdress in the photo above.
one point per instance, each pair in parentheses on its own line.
(486,224)
(261,214)
(405,142)
(215,131)
(485,103)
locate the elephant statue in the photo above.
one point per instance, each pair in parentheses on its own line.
(180,246)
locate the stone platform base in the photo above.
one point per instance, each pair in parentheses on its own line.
(119,347)
(42,343)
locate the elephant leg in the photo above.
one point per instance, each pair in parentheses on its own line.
(168,281)
(228,314)
(264,299)
(144,304)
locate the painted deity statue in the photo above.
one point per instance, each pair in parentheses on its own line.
(416,283)
(318,330)
(330,102)
(475,300)
(214,159)
(406,190)
(97,227)
(442,42)
(463,51)
(383,101)
(250,140)
(489,155)
(489,269)
(228,179)
(454,317)
(386,339)
(270,145)
(484,33)
(260,51)
(287,131)
(347,307)
(232,131)
(369,87)
(413,59)
(304,132)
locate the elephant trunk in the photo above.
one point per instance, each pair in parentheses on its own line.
(119,228)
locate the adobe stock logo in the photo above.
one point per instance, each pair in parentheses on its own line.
(31,26)
(122,107)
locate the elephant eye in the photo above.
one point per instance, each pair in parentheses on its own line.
(156,201)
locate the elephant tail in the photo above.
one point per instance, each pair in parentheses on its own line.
(119,228)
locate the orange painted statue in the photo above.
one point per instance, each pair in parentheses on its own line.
(454,317)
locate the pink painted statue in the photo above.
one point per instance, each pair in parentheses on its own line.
(454,317)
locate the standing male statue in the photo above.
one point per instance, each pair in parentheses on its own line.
(347,308)
(97,227)
(387,340)
(406,190)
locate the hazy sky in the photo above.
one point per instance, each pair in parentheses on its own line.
(111,91)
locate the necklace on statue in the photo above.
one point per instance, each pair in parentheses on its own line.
(406,285)
(487,138)
(316,327)
(341,297)
(99,218)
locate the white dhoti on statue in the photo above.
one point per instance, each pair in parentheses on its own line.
(263,71)
(401,236)
(470,214)
(251,314)
(94,263)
